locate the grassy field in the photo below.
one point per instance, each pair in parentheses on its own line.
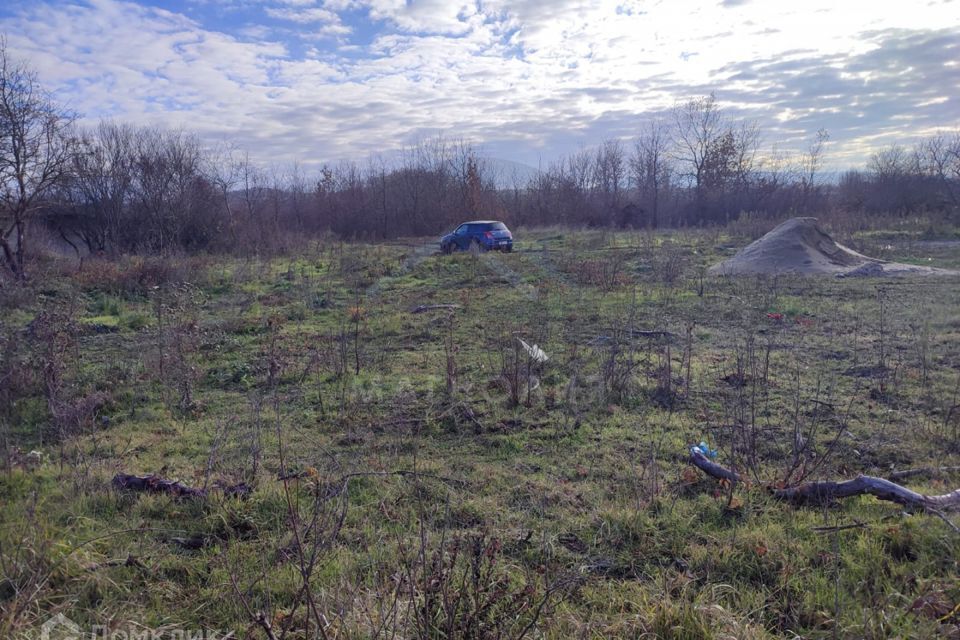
(421,475)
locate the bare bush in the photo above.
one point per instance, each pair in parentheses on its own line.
(459,590)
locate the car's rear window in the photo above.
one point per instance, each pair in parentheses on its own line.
(497,226)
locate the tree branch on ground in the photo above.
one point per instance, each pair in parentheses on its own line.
(823,492)
(156,484)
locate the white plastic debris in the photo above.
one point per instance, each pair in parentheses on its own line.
(535,352)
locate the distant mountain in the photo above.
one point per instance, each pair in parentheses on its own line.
(508,173)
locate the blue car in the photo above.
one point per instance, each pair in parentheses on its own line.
(484,235)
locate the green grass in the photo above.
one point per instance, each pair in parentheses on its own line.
(253,368)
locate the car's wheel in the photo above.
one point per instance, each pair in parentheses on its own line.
(446,248)
(509,248)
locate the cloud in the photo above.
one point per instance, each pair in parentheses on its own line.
(305,15)
(896,89)
(450,17)
(328,21)
(328,79)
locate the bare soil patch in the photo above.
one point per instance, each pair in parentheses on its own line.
(800,246)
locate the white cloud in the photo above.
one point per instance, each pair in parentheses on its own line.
(522,75)
(303,15)
(329,21)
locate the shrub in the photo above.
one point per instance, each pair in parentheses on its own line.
(136,275)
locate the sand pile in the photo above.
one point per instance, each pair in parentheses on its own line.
(800,246)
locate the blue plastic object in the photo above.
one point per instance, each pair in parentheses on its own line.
(704,449)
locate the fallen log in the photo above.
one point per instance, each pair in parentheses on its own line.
(156,484)
(434,307)
(711,468)
(828,491)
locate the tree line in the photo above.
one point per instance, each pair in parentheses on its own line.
(117,188)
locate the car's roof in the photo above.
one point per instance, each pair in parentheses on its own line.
(482,222)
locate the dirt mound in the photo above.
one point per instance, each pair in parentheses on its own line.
(800,246)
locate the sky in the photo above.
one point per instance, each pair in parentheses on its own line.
(314,81)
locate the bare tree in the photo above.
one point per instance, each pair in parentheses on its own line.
(775,174)
(35,151)
(253,185)
(573,182)
(297,189)
(698,124)
(170,195)
(608,178)
(652,168)
(890,163)
(224,169)
(894,171)
(810,165)
(746,140)
(99,187)
(940,160)
(718,155)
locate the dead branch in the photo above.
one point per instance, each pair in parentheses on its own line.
(828,491)
(156,484)
(822,492)
(711,468)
